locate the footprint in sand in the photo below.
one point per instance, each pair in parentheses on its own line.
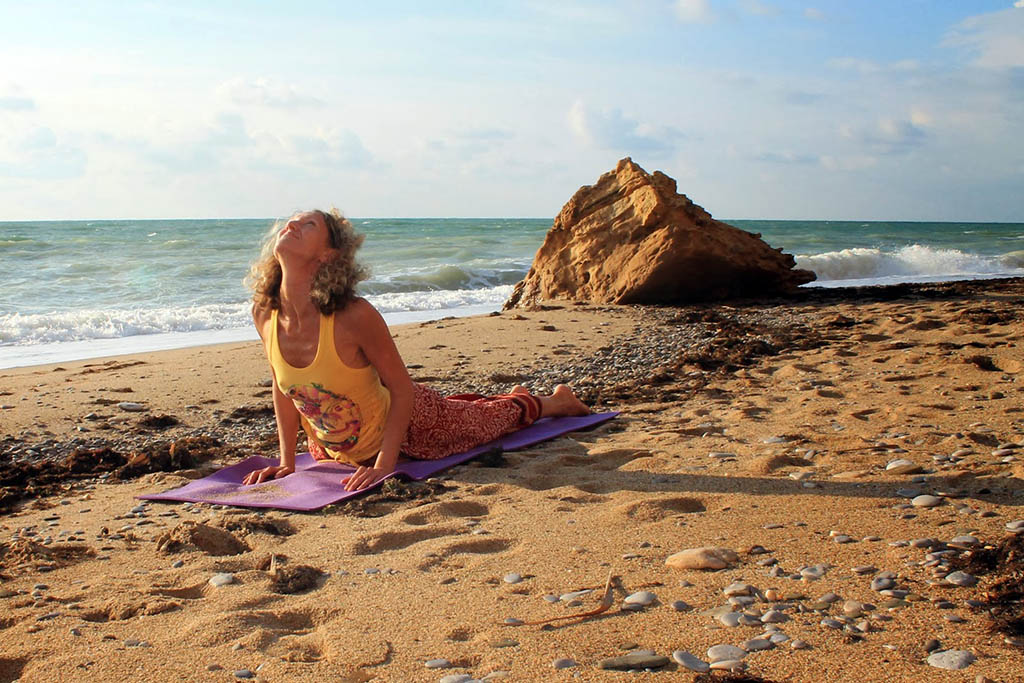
(481,546)
(442,512)
(375,544)
(126,606)
(659,509)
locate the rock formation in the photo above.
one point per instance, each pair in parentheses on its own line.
(632,239)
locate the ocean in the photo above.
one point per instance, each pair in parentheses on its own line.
(82,289)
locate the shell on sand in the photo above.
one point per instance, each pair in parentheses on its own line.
(702,558)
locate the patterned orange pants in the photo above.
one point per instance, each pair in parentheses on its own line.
(443,425)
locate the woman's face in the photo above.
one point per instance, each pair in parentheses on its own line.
(303,238)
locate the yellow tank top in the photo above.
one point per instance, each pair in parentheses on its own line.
(343,408)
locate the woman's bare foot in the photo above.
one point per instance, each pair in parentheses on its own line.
(519,389)
(562,403)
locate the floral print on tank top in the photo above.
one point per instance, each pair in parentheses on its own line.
(337,418)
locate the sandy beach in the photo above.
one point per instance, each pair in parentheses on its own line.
(763,428)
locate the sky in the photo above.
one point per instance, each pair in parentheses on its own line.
(760,109)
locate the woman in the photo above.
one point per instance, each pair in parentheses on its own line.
(337,372)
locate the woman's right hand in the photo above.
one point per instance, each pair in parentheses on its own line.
(272,472)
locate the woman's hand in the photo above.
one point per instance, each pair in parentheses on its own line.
(365,476)
(267,473)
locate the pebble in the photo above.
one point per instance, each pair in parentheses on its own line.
(881,583)
(438,664)
(642,598)
(702,558)
(774,616)
(730,619)
(456,678)
(563,663)
(951,659)
(757,644)
(813,573)
(962,579)
(725,652)
(965,540)
(369,571)
(244,673)
(634,660)
(831,623)
(691,662)
(733,665)
(131,407)
(1015,527)
(798,644)
(222,579)
(680,606)
(926,501)
(932,645)
(569,597)
(734,589)
(512,578)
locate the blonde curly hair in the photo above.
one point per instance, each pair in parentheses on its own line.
(334,283)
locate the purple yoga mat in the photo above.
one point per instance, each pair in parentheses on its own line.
(315,484)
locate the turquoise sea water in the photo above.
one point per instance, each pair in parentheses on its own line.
(77,289)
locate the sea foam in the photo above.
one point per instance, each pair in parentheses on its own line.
(913,261)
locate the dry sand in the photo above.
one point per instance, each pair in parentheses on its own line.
(856,382)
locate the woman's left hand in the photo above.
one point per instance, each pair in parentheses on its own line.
(364,477)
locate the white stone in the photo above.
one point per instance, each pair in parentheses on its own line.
(926,501)
(1016,526)
(643,598)
(222,579)
(689,661)
(725,652)
(951,659)
(438,664)
(962,579)
(569,597)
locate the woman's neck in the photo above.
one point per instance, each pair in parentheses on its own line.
(294,294)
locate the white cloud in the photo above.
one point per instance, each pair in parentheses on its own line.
(857,162)
(995,40)
(887,136)
(866,66)
(694,11)
(760,8)
(919,117)
(611,129)
(265,92)
(39,154)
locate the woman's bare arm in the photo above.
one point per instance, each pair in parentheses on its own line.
(378,346)
(285,413)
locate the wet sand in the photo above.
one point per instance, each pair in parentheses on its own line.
(764,428)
